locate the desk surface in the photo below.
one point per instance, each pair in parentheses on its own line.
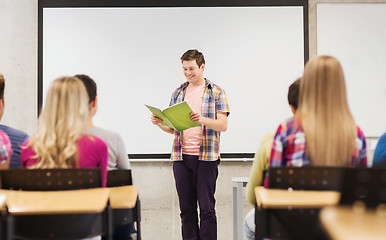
(46,202)
(277,198)
(344,223)
(123,197)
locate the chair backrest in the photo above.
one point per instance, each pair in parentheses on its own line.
(285,223)
(50,179)
(364,184)
(121,177)
(56,225)
(305,178)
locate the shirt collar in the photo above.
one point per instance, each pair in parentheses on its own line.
(208,84)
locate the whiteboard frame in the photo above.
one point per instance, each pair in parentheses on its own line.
(164,3)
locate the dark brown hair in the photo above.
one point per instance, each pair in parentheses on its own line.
(90,85)
(193,54)
(293,93)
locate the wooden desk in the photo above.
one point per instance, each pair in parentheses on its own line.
(49,202)
(344,223)
(124,197)
(277,198)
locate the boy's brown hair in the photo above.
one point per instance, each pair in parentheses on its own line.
(193,54)
(293,93)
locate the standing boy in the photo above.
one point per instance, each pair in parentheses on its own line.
(195,151)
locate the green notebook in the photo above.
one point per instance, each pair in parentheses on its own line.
(176,116)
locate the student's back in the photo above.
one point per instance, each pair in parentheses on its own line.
(118,158)
(91,150)
(379,159)
(17,138)
(323,131)
(117,154)
(60,142)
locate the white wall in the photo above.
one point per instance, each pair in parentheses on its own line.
(18,62)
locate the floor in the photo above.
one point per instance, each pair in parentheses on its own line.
(164,224)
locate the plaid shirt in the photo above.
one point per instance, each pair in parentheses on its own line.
(214,101)
(289,147)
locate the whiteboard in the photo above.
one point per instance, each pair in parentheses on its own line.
(253,53)
(356,35)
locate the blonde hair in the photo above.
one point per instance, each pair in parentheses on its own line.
(61,124)
(324,113)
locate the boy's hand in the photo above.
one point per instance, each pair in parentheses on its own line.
(196,117)
(155,120)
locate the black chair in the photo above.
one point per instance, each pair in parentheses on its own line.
(295,223)
(122,177)
(366,185)
(60,226)
(50,179)
(363,197)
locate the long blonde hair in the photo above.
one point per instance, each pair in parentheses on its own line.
(324,113)
(61,124)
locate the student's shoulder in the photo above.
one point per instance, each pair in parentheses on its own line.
(181,88)
(290,123)
(103,133)
(215,87)
(4,139)
(361,135)
(290,126)
(88,140)
(382,139)
(268,137)
(12,132)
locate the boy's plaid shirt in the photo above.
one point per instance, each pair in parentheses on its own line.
(289,147)
(214,101)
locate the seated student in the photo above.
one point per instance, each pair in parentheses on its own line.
(261,163)
(17,137)
(323,131)
(117,152)
(59,141)
(5,150)
(118,158)
(379,158)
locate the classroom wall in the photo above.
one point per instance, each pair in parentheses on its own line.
(18,62)
(18,58)
(312,18)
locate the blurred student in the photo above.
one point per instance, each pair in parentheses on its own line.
(261,163)
(60,141)
(379,158)
(118,158)
(196,151)
(323,131)
(17,137)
